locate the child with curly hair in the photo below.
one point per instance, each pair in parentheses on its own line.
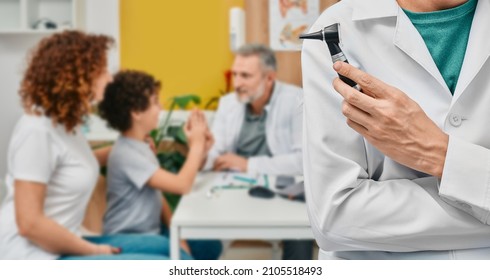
(135,180)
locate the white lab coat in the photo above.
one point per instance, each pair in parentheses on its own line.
(283,131)
(359,199)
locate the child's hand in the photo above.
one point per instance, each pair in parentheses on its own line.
(103,249)
(195,128)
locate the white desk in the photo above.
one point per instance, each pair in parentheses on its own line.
(233,214)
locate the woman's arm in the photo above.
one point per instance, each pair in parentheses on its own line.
(43,231)
(102,155)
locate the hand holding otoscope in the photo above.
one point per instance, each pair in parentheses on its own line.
(330,35)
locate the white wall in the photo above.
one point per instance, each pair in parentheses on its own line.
(13,50)
(103,17)
(100,17)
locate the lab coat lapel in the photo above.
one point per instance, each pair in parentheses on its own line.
(272,111)
(478,49)
(235,124)
(408,39)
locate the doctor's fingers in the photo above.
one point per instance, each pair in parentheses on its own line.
(220,165)
(355,97)
(226,158)
(369,84)
(359,129)
(217,167)
(357,115)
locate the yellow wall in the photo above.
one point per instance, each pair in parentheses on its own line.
(183,43)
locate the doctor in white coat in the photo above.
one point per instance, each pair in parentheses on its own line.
(258,95)
(257,128)
(401,169)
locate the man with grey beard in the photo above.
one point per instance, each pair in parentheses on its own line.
(258,128)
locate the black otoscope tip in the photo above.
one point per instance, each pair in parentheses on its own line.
(315,36)
(328,34)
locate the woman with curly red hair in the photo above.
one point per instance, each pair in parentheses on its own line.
(51,168)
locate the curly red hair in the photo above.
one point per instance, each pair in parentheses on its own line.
(59,78)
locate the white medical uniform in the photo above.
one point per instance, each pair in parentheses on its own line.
(359,199)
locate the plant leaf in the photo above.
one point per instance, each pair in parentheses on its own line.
(183,101)
(211,102)
(180,136)
(154,136)
(177,133)
(172,199)
(171,161)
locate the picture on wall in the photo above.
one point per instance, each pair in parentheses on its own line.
(288,19)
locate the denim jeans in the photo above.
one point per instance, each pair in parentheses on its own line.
(200,249)
(133,247)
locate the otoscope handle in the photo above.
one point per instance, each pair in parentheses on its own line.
(341,57)
(348,81)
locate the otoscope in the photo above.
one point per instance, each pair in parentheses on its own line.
(330,35)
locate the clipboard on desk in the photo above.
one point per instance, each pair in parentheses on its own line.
(239,180)
(229,181)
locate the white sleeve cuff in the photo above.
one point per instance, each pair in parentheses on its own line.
(465,182)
